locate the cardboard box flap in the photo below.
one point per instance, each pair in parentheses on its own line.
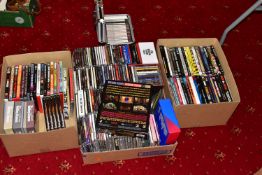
(178,42)
(203,114)
(26,144)
(97,157)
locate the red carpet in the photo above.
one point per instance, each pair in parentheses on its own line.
(234,149)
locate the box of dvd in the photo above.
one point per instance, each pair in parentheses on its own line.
(12,129)
(203,91)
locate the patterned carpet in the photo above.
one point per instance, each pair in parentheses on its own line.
(234,149)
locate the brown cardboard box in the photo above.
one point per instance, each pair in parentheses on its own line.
(259,172)
(204,114)
(41,141)
(98,157)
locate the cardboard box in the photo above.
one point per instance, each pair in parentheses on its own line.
(18,18)
(98,157)
(40,141)
(200,115)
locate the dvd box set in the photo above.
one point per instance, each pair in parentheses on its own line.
(125,108)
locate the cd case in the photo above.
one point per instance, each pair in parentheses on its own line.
(115,29)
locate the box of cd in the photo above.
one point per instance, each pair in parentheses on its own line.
(134,153)
(196,102)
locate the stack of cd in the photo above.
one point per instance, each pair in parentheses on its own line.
(92,67)
(104,55)
(114,28)
(90,80)
(118,29)
(147,74)
(93,139)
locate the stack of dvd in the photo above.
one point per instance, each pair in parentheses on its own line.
(195,75)
(94,77)
(33,82)
(89,83)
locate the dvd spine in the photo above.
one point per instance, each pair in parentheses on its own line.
(7,82)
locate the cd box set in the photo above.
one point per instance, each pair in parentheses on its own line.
(125,108)
(168,126)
